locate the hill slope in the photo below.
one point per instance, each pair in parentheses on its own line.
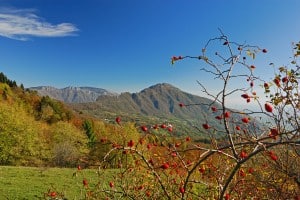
(156,104)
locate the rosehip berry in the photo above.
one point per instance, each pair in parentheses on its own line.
(238,128)
(85,182)
(245,120)
(188,139)
(268,107)
(165,166)
(201,170)
(252,67)
(277,81)
(205,126)
(118,120)
(144,128)
(155,127)
(264,50)
(111,184)
(227,196)
(130,143)
(181,190)
(181,105)
(250,170)
(284,79)
(227,114)
(273,156)
(266,85)
(148,194)
(242,173)
(219,117)
(243,154)
(273,133)
(52,194)
(163,126)
(245,96)
(214,109)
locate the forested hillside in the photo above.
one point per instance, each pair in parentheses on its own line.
(40,131)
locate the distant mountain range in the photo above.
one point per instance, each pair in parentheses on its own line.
(159,103)
(73,94)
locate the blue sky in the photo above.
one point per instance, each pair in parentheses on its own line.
(126,45)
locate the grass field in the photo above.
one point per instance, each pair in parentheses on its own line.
(27,183)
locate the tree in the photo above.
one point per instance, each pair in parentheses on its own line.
(251,161)
(89,131)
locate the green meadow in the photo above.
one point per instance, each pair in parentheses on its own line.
(20,183)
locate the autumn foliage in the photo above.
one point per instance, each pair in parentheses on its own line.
(257,156)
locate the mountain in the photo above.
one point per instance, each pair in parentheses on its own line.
(73,94)
(157,104)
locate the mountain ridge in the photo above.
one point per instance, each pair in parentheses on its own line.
(73,94)
(156,104)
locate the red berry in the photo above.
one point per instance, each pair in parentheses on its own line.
(85,182)
(205,126)
(201,170)
(243,154)
(78,167)
(130,143)
(227,196)
(188,139)
(250,170)
(174,154)
(273,156)
(148,194)
(144,128)
(245,96)
(149,146)
(103,140)
(266,85)
(163,126)
(170,129)
(273,133)
(219,117)
(264,50)
(248,100)
(242,173)
(268,107)
(252,67)
(52,194)
(181,105)
(277,81)
(284,79)
(181,190)
(238,128)
(214,109)
(111,184)
(118,120)
(165,166)
(245,120)
(227,114)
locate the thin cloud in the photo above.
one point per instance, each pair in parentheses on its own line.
(21,24)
